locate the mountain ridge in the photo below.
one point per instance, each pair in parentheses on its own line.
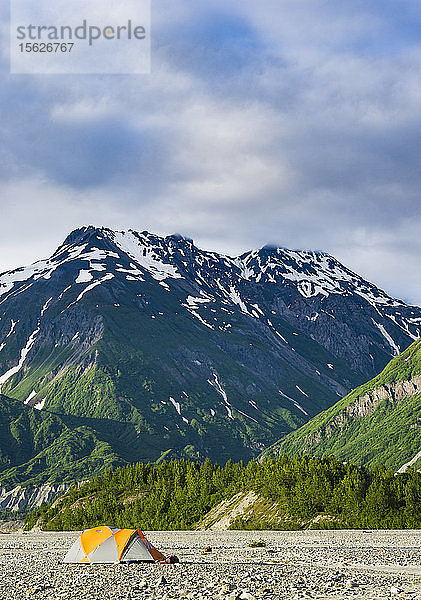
(330,279)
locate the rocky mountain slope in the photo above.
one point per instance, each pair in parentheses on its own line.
(145,347)
(23,498)
(378,422)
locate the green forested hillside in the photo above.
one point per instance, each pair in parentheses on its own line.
(379,422)
(36,445)
(178,494)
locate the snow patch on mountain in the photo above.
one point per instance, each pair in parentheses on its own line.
(196,314)
(236,298)
(281,336)
(64,291)
(405,327)
(295,403)
(46,305)
(217,385)
(93,285)
(246,415)
(145,255)
(98,254)
(45,268)
(258,309)
(8,280)
(12,327)
(176,405)
(84,276)
(29,398)
(23,355)
(388,337)
(195,302)
(133,274)
(40,405)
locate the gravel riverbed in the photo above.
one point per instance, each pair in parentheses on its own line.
(292,565)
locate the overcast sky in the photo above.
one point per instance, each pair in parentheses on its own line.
(294,122)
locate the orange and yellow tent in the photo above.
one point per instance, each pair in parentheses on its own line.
(109,545)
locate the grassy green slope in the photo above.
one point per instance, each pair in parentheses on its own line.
(36,446)
(391,434)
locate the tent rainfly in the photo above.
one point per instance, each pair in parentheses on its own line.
(110,545)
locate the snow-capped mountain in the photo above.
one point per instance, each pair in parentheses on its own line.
(194,351)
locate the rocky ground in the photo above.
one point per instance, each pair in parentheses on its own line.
(292,565)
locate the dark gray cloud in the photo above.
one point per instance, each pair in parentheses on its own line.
(293,122)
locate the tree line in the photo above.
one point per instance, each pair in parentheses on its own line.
(177,494)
